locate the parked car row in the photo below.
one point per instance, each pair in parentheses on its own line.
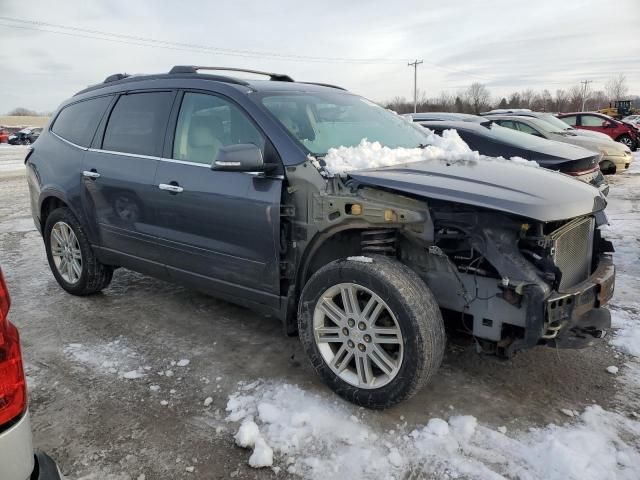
(263,192)
(614,156)
(26,136)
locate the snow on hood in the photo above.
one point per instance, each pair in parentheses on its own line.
(367,155)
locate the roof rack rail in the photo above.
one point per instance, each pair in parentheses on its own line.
(115,77)
(277,77)
(324,85)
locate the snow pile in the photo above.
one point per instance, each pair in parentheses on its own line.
(113,357)
(627,334)
(316,438)
(449,148)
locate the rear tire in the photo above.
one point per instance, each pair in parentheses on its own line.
(386,357)
(71,259)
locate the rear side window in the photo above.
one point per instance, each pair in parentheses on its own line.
(137,123)
(570,120)
(77,123)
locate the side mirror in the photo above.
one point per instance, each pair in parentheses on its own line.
(243,157)
(607,124)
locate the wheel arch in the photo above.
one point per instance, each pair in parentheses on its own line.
(337,242)
(49,201)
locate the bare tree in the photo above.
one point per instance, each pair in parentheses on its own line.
(561,100)
(22,112)
(526,98)
(478,96)
(617,87)
(575,98)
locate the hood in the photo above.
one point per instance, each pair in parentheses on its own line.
(591,134)
(606,145)
(502,185)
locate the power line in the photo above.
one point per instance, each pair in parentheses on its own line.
(154,42)
(415,64)
(27,24)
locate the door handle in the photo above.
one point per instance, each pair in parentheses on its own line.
(90,174)
(170,188)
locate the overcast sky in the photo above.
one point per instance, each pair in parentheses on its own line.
(507,45)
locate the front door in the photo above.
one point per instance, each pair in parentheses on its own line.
(220,227)
(118,176)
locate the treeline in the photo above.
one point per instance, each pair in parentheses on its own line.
(477,98)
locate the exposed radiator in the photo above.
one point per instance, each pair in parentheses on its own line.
(573,249)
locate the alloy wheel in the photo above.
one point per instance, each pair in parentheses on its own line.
(66,253)
(358,335)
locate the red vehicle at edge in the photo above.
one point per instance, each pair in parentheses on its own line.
(598,122)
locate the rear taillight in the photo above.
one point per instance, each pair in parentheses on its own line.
(583,172)
(13,389)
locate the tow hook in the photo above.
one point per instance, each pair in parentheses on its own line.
(593,331)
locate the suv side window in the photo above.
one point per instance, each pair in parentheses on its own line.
(77,123)
(138,122)
(570,120)
(208,122)
(592,121)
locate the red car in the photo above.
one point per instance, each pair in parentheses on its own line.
(4,136)
(620,132)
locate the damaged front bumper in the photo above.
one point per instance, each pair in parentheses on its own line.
(576,317)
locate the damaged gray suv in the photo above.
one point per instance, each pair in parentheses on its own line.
(225,185)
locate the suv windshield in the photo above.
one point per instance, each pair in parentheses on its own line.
(324,120)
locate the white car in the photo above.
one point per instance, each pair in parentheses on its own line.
(18,461)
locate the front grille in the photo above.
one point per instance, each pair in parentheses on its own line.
(573,249)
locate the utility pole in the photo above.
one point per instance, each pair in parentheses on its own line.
(415,83)
(584,91)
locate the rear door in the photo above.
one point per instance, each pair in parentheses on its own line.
(219,229)
(118,174)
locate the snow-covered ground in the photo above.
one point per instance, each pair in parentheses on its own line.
(12,158)
(318,437)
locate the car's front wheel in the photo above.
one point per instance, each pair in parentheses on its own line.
(70,256)
(372,330)
(628,141)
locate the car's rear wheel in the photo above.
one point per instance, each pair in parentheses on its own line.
(372,330)
(628,141)
(70,256)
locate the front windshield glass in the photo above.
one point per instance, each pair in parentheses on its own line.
(324,120)
(546,126)
(515,138)
(556,122)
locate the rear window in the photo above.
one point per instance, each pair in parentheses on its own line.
(137,123)
(77,123)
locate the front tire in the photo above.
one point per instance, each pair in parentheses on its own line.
(628,141)
(70,256)
(372,330)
